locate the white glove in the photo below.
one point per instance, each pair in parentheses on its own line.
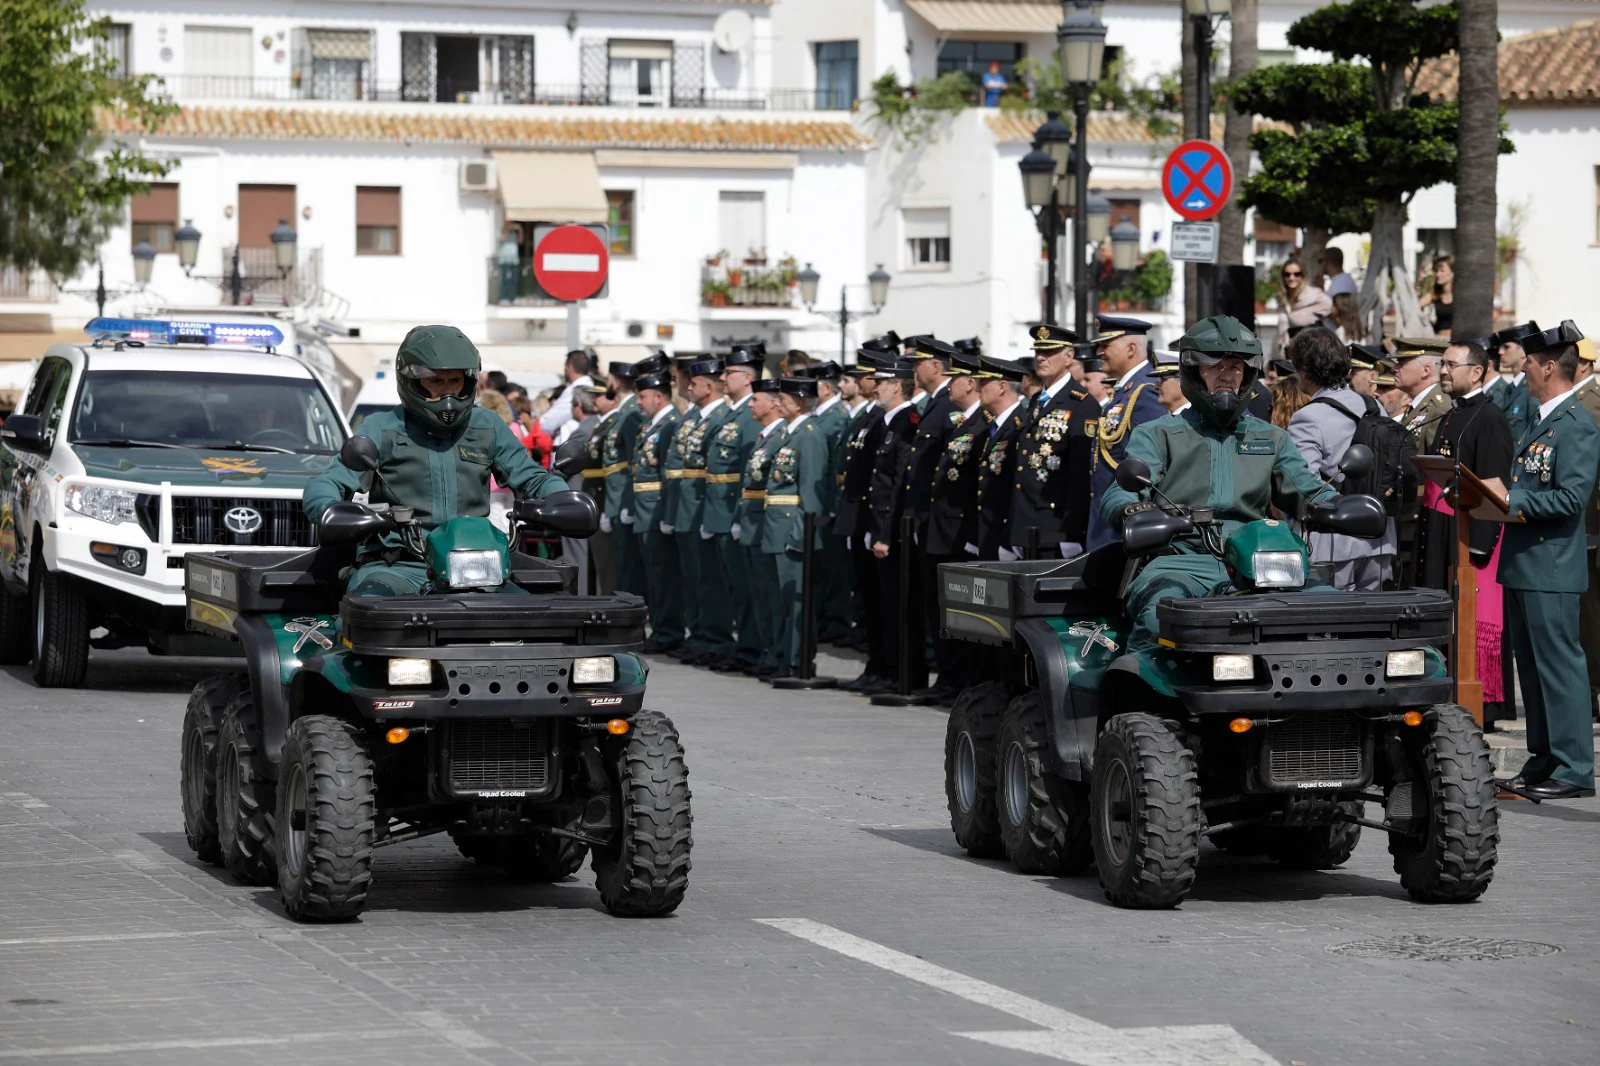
(668,530)
(971,547)
(605,523)
(866,541)
(704,535)
(627,518)
(1009,555)
(847,545)
(734,531)
(916,538)
(1069,550)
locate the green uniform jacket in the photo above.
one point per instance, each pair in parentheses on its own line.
(1589,395)
(1239,472)
(728,449)
(622,436)
(753,495)
(797,483)
(1552,481)
(833,423)
(441,475)
(1513,399)
(649,471)
(594,474)
(684,490)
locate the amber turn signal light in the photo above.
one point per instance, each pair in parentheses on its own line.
(616,727)
(1240,725)
(398,735)
(1412,718)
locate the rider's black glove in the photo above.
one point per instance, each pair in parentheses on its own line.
(1133,508)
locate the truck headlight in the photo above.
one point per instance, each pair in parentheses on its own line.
(1405,663)
(410,672)
(1233,667)
(102,502)
(597,671)
(475,570)
(1279,570)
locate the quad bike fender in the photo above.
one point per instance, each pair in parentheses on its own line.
(1069,657)
(1142,670)
(259,639)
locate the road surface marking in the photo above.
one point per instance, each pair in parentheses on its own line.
(201,1044)
(98,938)
(450,1029)
(25,801)
(1062,1034)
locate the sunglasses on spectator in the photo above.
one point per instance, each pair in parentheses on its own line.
(1294,274)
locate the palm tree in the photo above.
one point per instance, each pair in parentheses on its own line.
(1478,149)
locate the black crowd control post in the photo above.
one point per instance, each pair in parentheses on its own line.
(808,678)
(901,696)
(1030,546)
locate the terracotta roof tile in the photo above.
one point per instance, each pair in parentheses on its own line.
(452,125)
(1558,67)
(1105,127)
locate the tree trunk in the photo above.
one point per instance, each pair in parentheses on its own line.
(1192,130)
(1242,54)
(1388,285)
(1478,150)
(1313,242)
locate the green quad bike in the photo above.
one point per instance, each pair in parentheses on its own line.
(497,707)
(1265,720)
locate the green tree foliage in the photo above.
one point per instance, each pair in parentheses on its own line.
(1157,101)
(61,188)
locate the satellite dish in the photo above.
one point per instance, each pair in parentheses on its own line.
(732,31)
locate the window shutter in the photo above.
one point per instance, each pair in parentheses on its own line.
(926,222)
(418,61)
(515,56)
(594,73)
(688,74)
(160,204)
(377,205)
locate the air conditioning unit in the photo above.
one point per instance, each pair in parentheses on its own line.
(477,175)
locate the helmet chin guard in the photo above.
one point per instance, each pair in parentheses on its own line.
(1208,342)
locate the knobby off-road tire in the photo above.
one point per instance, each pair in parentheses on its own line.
(1455,862)
(1146,813)
(1044,820)
(245,795)
(969,769)
(644,871)
(16,629)
(197,760)
(327,819)
(1317,847)
(60,629)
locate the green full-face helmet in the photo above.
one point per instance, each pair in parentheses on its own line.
(426,351)
(1209,341)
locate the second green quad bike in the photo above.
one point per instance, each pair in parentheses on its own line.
(1266,718)
(497,706)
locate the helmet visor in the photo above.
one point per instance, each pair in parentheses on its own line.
(435,385)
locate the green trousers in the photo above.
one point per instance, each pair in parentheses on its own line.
(768,596)
(387,579)
(755,616)
(629,559)
(687,545)
(791,587)
(719,596)
(1171,577)
(833,585)
(1589,622)
(1555,688)
(663,588)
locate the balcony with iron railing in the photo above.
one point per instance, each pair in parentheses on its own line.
(19,287)
(727,282)
(516,286)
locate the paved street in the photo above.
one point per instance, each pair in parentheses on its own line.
(830,919)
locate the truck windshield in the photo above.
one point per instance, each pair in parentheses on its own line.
(190,410)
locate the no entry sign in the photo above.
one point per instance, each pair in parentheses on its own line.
(1197,180)
(570,262)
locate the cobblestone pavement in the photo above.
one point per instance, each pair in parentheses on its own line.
(117,946)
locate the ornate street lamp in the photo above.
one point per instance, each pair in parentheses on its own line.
(188,239)
(1038,179)
(1055,137)
(1124,245)
(144,261)
(809,280)
(283,241)
(1081,42)
(877,292)
(878,288)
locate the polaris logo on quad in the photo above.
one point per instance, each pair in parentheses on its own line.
(501,793)
(511,672)
(242,520)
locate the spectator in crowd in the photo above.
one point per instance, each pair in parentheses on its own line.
(994,85)
(494,379)
(578,372)
(499,495)
(1300,303)
(1442,297)
(1287,398)
(1336,282)
(540,444)
(585,417)
(1347,319)
(508,263)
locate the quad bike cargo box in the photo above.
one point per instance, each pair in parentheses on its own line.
(983,601)
(1219,623)
(255,582)
(384,624)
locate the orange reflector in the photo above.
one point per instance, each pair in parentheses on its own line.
(1412,718)
(616,727)
(1240,725)
(398,735)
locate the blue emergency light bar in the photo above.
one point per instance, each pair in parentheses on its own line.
(186,331)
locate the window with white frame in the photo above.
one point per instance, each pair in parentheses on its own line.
(641,73)
(742,218)
(927,235)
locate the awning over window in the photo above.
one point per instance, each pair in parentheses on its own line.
(550,187)
(989,16)
(641,49)
(340,44)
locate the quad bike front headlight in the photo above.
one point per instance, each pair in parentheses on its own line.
(601,670)
(475,570)
(1279,570)
(1233,667)
(410,672)
(1405,663)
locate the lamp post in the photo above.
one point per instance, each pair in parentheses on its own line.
(1081,40)
(1098,226)
(877,293)
(1038,169)
(144,258)
(284,243)
(1204,16)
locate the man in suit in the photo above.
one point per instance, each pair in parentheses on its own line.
(1000,389)
(952,529)
(765,603)
(887,501)
(727,451)
(1543,568)
(663,583)
(1055,454)
(797,488)
(860,446)
(1123,346)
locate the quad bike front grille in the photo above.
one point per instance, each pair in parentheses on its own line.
(494,754)
(1316,748)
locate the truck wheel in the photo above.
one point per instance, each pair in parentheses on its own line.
(1044,820)
(1317,847)
(244,795)
(60,630)
(1146,813)
(540,859)
(326,821)
(969,785)
(198,763)
(1455,861)
(16,634)
(644,871)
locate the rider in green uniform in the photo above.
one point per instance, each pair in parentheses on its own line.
(435,454)
(1213,454)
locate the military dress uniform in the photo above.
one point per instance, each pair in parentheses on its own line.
(683,496)
(727,451)
(860,446)
(997,468)
(1054,459)
(1521,410)
(952,531)
(1136,401)
(1544,570)
(766,604)
(844,528)
(887,503)
(602,549)
(798,485)
(663,582)
(1588,394)
(832,576)
(1421,418)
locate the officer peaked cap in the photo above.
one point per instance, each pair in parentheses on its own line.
(1559,337)
(992,369)
(969,346)
(930,347)
(1048,338)
(826,370)
(1366,356)
(1110,327)
(899,370)
(962,364)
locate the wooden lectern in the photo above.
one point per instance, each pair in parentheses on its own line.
(1471,498)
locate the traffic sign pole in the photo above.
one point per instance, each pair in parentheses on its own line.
(1197,182)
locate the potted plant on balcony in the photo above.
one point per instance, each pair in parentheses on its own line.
(1152,281)
(714,293)
(756,257)
(789,271)
(716,258)
(735,276)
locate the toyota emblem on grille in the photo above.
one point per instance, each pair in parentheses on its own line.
(242,519)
